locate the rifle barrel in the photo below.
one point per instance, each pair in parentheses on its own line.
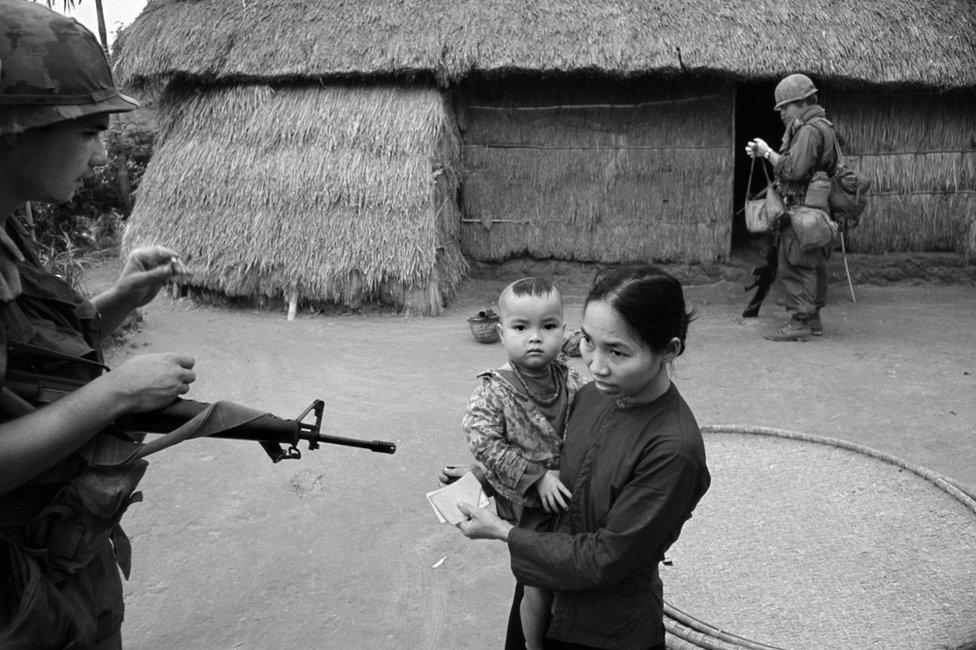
(379,446)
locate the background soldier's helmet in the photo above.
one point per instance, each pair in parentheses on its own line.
(792,89)
(52,69)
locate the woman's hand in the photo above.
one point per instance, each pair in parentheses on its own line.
(146,271)
(451,473)
(482,524)
(150,381)
(757,148)
(555,496)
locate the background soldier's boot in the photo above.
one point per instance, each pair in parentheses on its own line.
(795,330)
(816,325)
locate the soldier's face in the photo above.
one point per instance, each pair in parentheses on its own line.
(53,162)
(790,112)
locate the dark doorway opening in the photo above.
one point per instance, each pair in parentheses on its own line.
(754,118)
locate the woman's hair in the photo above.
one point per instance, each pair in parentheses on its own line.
(649,300)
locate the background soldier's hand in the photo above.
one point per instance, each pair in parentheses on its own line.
(757,148)
(146,271)
(151,381)
(555,496)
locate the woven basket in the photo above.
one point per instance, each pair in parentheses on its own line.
(483,329)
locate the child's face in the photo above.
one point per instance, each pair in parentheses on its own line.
(531,329)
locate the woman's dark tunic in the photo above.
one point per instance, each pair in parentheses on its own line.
(636,473)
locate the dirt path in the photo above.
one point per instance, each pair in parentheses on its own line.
(341,550)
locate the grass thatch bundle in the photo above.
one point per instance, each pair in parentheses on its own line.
(883,41)
(920,151)
(333,193)
(550,174)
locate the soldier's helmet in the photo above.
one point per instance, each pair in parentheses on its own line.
(792,89)
(52,69)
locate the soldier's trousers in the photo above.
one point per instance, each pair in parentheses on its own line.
(803,274)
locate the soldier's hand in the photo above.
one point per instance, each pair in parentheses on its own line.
(146,271)
(151,381)
(757,148)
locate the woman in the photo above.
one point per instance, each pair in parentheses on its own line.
(64,483)
(635,461)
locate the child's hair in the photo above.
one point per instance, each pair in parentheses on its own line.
(528,287)
(649,300)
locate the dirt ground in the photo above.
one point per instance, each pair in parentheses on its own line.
(341,550)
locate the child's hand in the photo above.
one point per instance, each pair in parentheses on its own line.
(555,496)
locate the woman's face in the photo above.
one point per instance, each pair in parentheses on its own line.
(51,163)
(621,365)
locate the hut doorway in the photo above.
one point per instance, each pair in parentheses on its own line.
(754,118)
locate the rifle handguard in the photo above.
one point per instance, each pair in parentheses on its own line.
(269,430)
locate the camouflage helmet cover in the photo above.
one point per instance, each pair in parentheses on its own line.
(52,69)
(792,89)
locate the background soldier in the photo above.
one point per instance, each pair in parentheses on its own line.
(804,152)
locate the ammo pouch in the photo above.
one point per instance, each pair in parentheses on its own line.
(85,514)
(814,229)
(67,542)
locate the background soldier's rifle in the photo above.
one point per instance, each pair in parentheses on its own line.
(763,277)
(24,391)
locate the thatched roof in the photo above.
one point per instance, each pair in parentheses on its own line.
(880,41)
(332,193)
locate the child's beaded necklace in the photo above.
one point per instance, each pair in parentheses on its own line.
(536,397)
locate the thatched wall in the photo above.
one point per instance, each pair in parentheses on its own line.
(334,193)
(920,150)
(596,169)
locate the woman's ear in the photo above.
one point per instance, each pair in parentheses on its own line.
(672,350)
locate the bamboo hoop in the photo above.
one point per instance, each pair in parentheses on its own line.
(688,632)
(965,495)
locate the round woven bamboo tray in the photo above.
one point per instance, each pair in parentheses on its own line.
(804,541)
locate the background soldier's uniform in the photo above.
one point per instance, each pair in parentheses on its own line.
(803,152)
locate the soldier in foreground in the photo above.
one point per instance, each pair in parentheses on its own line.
(64,482)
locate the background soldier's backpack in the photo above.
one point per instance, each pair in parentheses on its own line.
(848,188)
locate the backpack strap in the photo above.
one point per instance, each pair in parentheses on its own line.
(823,126)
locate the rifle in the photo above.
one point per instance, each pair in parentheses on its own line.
(763,278)
(25,391)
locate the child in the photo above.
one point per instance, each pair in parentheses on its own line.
(515,422)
